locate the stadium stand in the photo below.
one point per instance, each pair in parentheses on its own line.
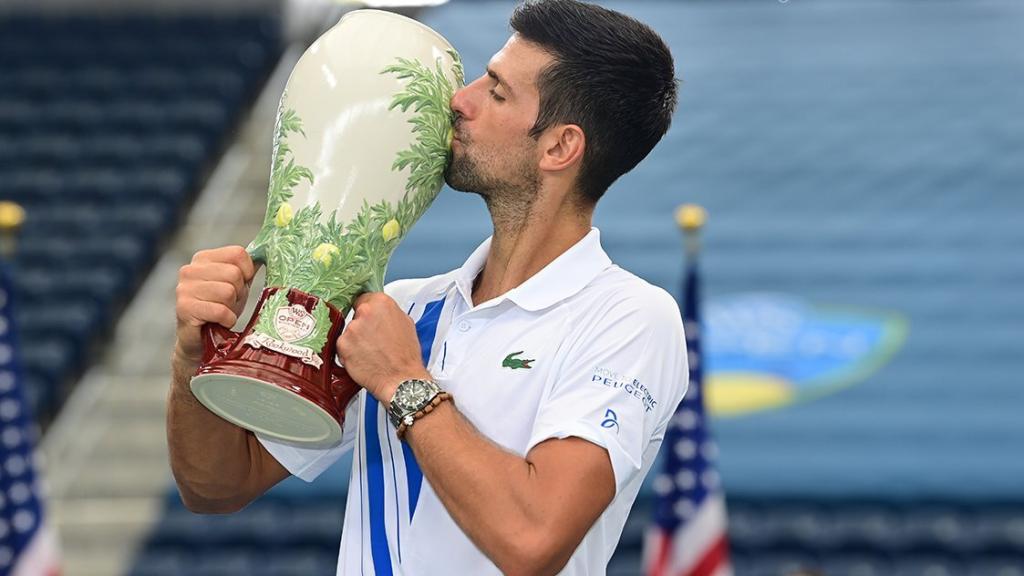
(107,126)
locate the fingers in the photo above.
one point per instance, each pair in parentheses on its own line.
(194,278)
(191,315)
(234,255)
(213,288)
(370,300)
(223,293)
(194,313)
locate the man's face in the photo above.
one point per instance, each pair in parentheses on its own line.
(492,152)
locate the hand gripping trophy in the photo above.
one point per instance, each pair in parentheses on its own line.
(362,140)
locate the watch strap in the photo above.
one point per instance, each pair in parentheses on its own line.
(407,423)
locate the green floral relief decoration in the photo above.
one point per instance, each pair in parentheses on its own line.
(338,261)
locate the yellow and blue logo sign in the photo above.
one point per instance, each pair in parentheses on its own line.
(766,351)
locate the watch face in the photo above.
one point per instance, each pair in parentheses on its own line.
(412,395)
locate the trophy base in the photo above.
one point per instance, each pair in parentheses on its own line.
(266,408)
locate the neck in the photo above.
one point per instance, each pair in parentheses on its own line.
(524,243)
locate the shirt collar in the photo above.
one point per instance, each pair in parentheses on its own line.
(561,278)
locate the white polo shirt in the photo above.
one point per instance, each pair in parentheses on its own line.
(583,348)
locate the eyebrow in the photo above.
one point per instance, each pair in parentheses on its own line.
(498,79)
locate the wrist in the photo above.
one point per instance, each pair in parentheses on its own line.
(386,391)
(414,399)
(182,370)
(183,359)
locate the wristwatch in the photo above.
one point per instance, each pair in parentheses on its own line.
(412,397)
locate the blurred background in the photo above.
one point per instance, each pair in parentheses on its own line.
(862,164)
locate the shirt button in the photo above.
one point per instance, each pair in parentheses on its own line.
(464,326)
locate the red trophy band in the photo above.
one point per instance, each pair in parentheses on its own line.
(242,380)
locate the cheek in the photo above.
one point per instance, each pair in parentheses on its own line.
(511,131)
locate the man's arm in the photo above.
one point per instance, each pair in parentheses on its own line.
(219,467)
(528,514)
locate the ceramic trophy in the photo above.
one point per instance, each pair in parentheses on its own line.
(362,139)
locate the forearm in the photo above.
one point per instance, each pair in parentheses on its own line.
(210,457)
(495,496)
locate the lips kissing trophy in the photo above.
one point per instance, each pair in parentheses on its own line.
(362,139)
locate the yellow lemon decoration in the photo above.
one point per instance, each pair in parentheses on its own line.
(391,230)
(284,215)
(324,252)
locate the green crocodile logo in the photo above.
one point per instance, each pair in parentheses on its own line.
(511,362)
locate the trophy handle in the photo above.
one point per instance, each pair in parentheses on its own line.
(217,340)
(343,387)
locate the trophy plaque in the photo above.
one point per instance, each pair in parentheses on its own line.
(362,139)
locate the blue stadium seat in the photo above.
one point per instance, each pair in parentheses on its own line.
(927,565)
(1001,531)
(299,562)
(98,284)
(51,357)
(773,563)
(855,565)
(203,115)
(626,562)
(996,566)
(19,113)
(161,563)
(180,528)
(120,149)
(75,321)
(311,524)
(255,527)
(135,115)
(98,82)
(870,528)
(225,562)
(933,529)
(221,82)
(40,393)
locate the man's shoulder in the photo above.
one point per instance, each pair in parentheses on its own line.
(407,290)
(617,292)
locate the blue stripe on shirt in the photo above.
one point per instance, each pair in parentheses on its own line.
(426,331)
(379,549)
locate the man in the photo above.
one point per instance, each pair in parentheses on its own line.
(562,369)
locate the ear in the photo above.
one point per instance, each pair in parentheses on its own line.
(562,147)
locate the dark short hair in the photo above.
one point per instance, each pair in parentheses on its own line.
(612,75)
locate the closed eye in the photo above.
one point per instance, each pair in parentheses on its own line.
(496,97)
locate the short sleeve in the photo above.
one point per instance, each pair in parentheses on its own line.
(620,380)
(308,463)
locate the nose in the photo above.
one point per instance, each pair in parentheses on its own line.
(460,102)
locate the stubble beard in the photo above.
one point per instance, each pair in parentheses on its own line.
(509,199)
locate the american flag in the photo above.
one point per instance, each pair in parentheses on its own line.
(27,547)
(688,536)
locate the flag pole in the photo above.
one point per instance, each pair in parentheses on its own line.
(691,219)
(12,216)
(688,535)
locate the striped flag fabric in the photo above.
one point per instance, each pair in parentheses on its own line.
(688,535)
(27,546)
